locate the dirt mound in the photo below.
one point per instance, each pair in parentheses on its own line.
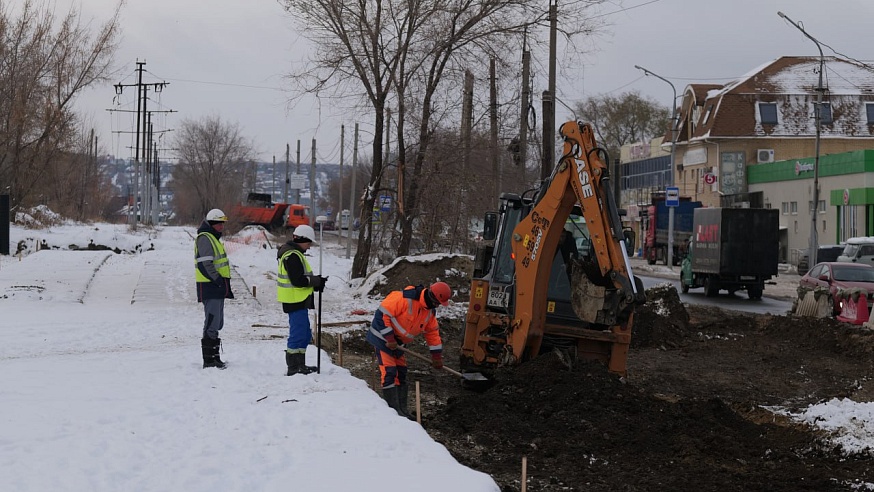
(455,270)
(662,322)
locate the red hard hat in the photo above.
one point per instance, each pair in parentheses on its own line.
(442,292)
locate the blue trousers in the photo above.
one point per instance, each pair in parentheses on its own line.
(299,331)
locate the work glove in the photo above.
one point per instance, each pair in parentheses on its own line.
(437,361)
(391,344)
(318,282)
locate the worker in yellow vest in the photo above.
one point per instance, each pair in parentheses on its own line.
(294,289)
(212,272)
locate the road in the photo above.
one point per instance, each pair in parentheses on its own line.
(737,302)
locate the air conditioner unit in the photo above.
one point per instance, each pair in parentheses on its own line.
(765,155)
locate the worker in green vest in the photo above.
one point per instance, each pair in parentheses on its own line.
(294,289)
(212,272)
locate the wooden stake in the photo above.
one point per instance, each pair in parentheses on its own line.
(254,291)
(418,405)
(524,473)
(340,349)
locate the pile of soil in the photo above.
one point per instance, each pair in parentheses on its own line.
(689,415)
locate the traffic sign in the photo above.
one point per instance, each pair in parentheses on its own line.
(297,181)
(672,196)
(385,203)
(709,178)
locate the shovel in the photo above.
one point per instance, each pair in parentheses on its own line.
(471,376)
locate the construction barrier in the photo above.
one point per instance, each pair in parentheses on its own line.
(854,304)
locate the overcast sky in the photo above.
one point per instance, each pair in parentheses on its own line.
(227,57)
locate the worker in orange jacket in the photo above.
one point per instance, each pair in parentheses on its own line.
(400,317)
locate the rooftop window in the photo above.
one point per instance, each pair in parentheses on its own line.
(768,113)
(825,113)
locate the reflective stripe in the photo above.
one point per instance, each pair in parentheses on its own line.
(432,348)
(220,260)
(377,333)
(286,292)
(395,323)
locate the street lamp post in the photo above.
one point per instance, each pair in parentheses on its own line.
(673,161)
(817,117)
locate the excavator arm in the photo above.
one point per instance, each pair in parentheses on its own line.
(603,294)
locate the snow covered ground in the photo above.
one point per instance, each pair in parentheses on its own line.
(102,387)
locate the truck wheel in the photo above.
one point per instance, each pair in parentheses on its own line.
(684,287)
(710,288)
(650,260)
(754,293)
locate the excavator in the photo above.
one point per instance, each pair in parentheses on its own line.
(531,293)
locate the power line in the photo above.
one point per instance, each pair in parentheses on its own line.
(227,84)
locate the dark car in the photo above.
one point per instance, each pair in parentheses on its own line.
(835,275)
(824,253)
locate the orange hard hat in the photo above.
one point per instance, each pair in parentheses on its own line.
(442,292)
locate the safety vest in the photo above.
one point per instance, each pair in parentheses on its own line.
(220,260)
(286,292)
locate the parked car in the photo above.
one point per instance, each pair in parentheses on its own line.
(858,250)
(835,275)
(824,253)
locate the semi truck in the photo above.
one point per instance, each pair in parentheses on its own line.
(655,245)
(732,249)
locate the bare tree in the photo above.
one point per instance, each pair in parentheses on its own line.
(45,62)
(623,119)
(212,162)
(398,51)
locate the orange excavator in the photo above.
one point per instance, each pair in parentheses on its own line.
(552,271)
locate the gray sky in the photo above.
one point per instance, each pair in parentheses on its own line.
(227,57)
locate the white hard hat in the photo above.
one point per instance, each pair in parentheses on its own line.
(305,231)
(216,215)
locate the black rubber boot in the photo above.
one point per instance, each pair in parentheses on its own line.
(303,368)
(206,348)
(391,397)
(291,362)
(211,349)
(216,359)
(403,392)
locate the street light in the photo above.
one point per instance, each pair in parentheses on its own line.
(811,255)
(673,157)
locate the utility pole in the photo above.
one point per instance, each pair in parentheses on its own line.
(273,182)
(297,191)
(340,193)
(147,174)
(352,190)
(285,188)
(313,186)
(466,119)
(493,124)
(813,244)
(526,103)
(142,98)
(548,101)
